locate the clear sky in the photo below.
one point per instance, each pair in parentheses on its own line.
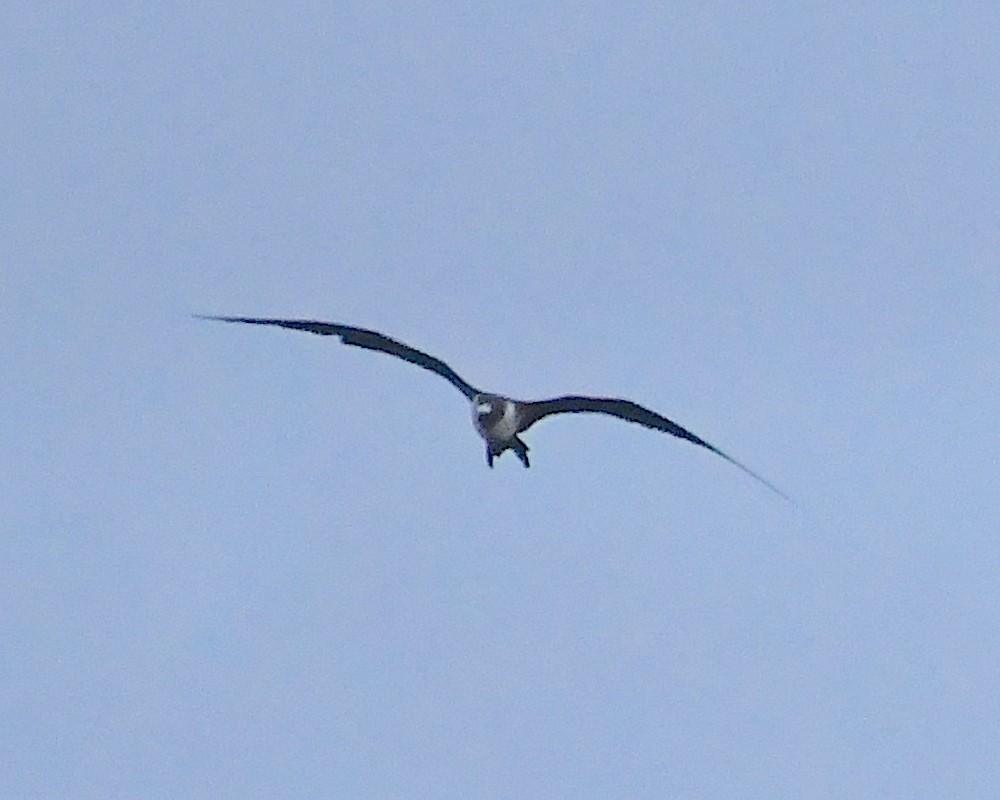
(248,562)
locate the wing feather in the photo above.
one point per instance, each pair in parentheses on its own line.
(368,339)
(632,412)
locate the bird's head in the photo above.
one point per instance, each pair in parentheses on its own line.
(483,405)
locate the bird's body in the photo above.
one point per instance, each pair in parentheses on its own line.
(498,419)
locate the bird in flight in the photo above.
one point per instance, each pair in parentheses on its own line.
(498,419)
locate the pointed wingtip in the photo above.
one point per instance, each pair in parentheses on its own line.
(772,487)
(753,475)
(780,493)
(765,482)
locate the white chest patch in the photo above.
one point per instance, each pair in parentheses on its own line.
(506,426)
(495,418)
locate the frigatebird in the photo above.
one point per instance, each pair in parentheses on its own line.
(498,419)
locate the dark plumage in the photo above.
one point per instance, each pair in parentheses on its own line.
(498,419)
(360,337)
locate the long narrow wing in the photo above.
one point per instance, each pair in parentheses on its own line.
(370,340)
(633,412)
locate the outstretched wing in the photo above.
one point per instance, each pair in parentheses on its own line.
(627,410)
(370,340)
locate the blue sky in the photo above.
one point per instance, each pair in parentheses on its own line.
(255,563)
